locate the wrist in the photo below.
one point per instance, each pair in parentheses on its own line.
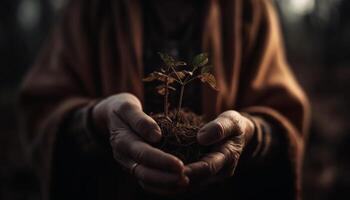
(97,126)
(253,136)
(250,128)
(80,131)
(98,119)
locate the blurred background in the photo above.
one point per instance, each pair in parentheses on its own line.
(317,39)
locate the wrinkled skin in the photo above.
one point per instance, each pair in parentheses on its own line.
(131,132)
(228,134)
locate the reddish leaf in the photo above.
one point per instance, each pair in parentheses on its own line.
(209,79)
(158,76)
(162,88)
(179,75)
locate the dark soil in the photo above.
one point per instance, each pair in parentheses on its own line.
(180,134)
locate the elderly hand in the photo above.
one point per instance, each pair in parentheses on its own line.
(227,135)
(120,118)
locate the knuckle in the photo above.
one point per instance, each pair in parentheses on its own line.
(129,97)
(139,153)
(114,133)
(211,167)
(232,125)
(218,130)
(232,151)
(122,143)
(142,125)
(116,140)
(124,107)
(227,149)
(237,126)
(231,114)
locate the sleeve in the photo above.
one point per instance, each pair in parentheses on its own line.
(60,84)
(271,95)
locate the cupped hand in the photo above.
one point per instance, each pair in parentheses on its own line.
(131,132)
(227,135)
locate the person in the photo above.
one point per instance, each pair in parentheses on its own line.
(85,108)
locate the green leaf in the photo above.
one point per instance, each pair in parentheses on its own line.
(168,60)
(162,88)
(200,60)
(207,69)
(209,79)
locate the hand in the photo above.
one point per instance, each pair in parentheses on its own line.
(121,118)
(227,135)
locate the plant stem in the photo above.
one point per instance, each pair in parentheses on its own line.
(192,79)
(180,101)
(166,97)
(179,79)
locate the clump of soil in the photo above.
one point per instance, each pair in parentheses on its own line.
(180,134)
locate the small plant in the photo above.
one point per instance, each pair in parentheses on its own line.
(180,128)
(170,74)
(167,75)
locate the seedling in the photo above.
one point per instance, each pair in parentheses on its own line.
(180,127)
(171,73)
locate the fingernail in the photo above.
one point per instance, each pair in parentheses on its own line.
(155,136)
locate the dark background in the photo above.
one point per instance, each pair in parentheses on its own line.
(317,38)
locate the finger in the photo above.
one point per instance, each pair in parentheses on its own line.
(132,146)
(232,150)
(138,121)
(126,163)
(159,178)
(224,126)
(208,166)
(153,157)
(147,174)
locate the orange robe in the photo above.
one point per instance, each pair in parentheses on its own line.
(96,51)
